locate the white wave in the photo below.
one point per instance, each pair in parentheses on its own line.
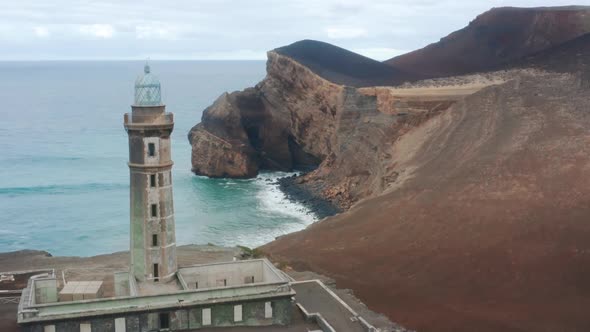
(273,200)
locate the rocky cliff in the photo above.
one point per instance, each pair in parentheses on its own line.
(295,119)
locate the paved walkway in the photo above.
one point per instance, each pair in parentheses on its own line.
(315,299)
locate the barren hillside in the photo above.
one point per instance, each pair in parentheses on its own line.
(487,228)
(496,37)
(466,198)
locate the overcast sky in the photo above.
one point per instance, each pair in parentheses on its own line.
(223,29)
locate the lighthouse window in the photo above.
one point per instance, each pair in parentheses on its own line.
(151,149)
(154,240)
(154,210)
(152,180)
(164,321)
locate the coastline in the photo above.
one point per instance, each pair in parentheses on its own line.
(295,192)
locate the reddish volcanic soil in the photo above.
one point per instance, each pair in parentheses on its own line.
(496,37)
(485,229)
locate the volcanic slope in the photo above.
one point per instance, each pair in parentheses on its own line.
(572,56)
(485,228)
(498,36)
(342,66)
(488,228)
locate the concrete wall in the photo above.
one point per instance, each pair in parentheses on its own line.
(45,290)
(122,287)
(269,272)
(182,319)
(234,273)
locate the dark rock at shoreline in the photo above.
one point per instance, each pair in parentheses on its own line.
(321,207)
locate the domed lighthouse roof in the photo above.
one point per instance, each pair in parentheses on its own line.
(147,89)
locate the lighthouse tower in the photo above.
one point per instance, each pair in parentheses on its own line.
(153,238)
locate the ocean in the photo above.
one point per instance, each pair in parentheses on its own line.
(64,180)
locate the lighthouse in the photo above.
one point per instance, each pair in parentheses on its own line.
(152,231)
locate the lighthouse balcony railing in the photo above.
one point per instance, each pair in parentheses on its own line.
(163,118)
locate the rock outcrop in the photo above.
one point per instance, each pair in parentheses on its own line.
(285,122)
(295,119)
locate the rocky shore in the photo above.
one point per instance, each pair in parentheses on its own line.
(320,206)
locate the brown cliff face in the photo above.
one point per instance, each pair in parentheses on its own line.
(219,142)
(285,122)
(295,119)
(496,37)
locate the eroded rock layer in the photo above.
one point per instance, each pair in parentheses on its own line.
(295,119)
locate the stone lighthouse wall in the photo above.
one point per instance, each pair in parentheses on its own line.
(153,239)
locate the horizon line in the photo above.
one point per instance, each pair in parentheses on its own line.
(122,59)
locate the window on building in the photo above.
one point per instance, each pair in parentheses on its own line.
(197,285)
(152,180)
(164,320)
(238,313)
(85,327)
(120,325)
(206,316)
(49,328)
(154,210)
(154,240)
(249,280)
(267,309)
(156,272)
(151,149)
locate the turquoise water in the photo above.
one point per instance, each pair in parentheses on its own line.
(64,181)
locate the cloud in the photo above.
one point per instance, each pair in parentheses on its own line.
(186,29)
(345,32)
(105,31)
(244,54)
(41,31)
(379,53)
(156,31)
